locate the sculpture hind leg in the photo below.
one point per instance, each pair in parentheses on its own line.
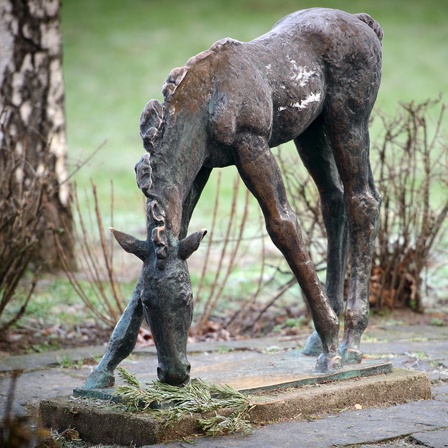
(316,153)
(262,176)
(349,137)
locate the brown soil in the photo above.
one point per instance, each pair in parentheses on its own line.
(24,340)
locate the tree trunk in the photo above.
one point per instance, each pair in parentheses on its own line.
(32,114)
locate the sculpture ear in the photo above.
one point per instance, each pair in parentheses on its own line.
(190,244)
(131,244)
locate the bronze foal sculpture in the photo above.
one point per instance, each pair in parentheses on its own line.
(313,79)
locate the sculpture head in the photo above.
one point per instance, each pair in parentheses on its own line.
(166,296)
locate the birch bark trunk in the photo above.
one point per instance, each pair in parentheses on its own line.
(32,114)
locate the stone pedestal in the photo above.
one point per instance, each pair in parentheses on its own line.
(283,385)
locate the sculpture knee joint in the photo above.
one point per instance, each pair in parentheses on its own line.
(365,211)
(281,226)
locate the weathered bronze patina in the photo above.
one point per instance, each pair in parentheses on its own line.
(313,79)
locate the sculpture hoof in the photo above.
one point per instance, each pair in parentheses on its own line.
(351,355)
(99,379)
(313,345)
(326,363)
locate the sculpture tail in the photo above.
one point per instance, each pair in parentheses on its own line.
(372,23)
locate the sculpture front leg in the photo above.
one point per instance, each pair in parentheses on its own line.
(120,346)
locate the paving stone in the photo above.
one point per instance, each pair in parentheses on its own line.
(405,442)
(432,439)
(440,392)
(350,428)
(32,387)
(36,361)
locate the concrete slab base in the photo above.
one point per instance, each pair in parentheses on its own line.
(101,423)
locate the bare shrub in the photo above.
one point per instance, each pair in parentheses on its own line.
(21,207)
(98,286)
(228,249)
(240,249)
(412,176)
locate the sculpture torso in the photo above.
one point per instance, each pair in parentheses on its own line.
(275,85)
